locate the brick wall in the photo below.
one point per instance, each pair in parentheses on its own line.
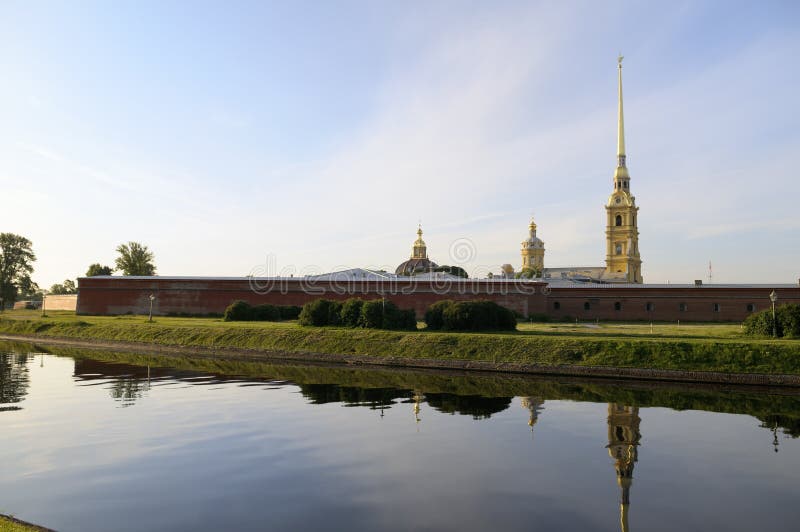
(121,295)
(703,303)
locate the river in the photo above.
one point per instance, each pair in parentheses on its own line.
(112,442)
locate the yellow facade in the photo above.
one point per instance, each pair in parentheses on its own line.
(623,262)
(532,250)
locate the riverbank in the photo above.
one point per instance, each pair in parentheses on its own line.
(10,524)
(620,351)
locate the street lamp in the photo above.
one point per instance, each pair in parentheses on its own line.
(774,297)
(152,298)
(44,297)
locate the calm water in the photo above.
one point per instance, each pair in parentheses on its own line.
(105,442)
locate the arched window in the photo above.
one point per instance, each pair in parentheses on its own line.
(619,220)
(587,306)
(618,249)
(617,306)
(556,305)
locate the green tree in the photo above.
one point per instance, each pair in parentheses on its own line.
(16,266)
(98,269)
(135,259)
(453,270)
(67,287)
(529,273)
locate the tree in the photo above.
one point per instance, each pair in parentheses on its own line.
(135,259)
(98,269)
(16,266)
(529,273)
(67,287)
(458,271)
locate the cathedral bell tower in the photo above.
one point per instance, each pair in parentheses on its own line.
(532,251)
(623,263)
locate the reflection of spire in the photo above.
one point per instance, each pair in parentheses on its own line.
(775,437)
(417,398)
(623,443)
(535,406)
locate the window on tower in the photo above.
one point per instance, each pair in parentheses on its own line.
(618,249)
(619,220)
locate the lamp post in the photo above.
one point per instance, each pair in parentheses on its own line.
(774,297)
(152,298)
(44,297)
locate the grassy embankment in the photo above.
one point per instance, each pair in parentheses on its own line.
(701,347)
(12,525)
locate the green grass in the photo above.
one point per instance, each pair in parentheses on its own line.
(9,525)
(696,347)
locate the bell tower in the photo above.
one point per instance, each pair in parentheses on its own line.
(623,443)
(532,251)
(623,263)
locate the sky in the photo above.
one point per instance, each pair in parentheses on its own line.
(301,137)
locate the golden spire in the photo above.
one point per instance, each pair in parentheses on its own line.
(621,124)
(420,250)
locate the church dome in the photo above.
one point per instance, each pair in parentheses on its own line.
(419,261)
(412,266)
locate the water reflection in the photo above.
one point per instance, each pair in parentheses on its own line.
(623,448)
(204,429)
(14,380)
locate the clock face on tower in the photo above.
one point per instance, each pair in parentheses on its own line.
(617,200)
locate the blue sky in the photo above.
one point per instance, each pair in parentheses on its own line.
(313,136)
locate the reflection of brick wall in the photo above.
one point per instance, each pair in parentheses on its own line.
(120,295)
(65,302)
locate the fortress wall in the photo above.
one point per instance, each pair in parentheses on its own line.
(130,295)
(121,295)
(698,302)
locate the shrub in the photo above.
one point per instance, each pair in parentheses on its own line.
(477,315)
(394,318)
(321,312)
(372,314)
(434,315)
(351,312)
(266,313)
(759,324)
(788,318)
(238,311)
(787,322)
(289,312)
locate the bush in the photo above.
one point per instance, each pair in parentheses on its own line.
(787,322)
(372,314)
(266,313)
(321,312)
(351,312)
(289,312)
(396,319)
(477,315)
(238,311)
(434,318)
(244,311)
